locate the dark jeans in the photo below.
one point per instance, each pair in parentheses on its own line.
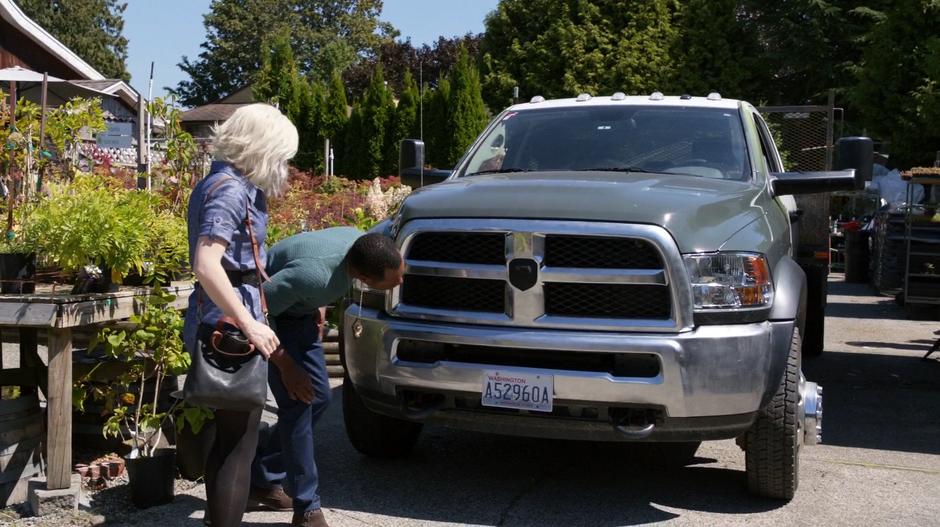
(228,468)
(285,451)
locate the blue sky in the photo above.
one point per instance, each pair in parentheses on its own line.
(165,31)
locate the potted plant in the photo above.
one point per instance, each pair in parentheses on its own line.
(152,348)
(17,266)
(92,228)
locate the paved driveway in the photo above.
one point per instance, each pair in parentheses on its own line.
(880,464)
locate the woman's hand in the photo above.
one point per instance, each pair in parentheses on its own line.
(261,335)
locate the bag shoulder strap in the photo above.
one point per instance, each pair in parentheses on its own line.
(256,254)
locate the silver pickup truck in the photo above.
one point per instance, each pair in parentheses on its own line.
(600,268)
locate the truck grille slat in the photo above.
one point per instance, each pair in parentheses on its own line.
(460,247)
(607,300)
(600,252)
(464,294)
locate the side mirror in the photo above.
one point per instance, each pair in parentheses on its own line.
(791,183)
(410,155)
(411,165)
(856,153)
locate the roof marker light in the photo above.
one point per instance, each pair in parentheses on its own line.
(537,99)
(584,97)
(685,97)
(619,96)
(656,96)
(714,96)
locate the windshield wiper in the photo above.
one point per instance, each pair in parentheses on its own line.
(618,169)
(497,171)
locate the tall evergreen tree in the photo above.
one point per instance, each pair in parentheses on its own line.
(468,115)
(309,126)
(333,117)
(93,29)
(378,109)
(352,163)
(326,35)
(405,123)
(437,138)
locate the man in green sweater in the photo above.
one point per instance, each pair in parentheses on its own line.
(309,271)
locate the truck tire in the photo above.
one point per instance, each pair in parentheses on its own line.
(772,451)
(373,434)
(816,292)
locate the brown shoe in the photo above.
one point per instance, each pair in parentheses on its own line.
(312,518)
(274,498)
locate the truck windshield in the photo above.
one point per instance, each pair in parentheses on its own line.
(705,142)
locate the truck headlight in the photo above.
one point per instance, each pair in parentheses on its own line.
(368,297)
(729,280)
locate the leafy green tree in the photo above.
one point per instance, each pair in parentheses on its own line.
(278,82)
(809,47)
(560,48)
(716,51)
(468,115)
(427,62)
(437,138)
(326,35)
(404,125)
(898,91)
(93,29)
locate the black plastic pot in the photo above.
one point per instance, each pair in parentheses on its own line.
(17,273)
(152,478)
(192,450)
(85,284)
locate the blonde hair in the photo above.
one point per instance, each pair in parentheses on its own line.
(258,140)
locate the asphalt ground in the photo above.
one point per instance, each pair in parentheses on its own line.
(879,464)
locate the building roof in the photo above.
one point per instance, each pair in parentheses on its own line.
(211,112)
(15,17)
(242,95)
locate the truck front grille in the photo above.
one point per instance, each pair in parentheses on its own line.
(462,294)
(607,300)
(586,275)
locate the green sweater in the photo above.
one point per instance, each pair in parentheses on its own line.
(307,271)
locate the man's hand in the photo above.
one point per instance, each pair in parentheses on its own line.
(295,379)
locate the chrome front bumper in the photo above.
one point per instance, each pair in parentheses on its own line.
(712,379)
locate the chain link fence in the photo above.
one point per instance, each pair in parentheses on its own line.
(804,135)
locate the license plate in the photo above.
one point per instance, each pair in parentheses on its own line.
(522,391)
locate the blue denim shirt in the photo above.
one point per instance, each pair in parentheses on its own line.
(221,216)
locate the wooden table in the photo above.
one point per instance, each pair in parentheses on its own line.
(58,313)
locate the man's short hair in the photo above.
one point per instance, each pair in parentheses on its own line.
(372,254)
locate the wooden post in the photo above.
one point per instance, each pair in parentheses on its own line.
(59,430)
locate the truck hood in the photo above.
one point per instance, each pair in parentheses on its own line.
(700,213)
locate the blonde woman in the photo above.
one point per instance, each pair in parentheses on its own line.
(251,152)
